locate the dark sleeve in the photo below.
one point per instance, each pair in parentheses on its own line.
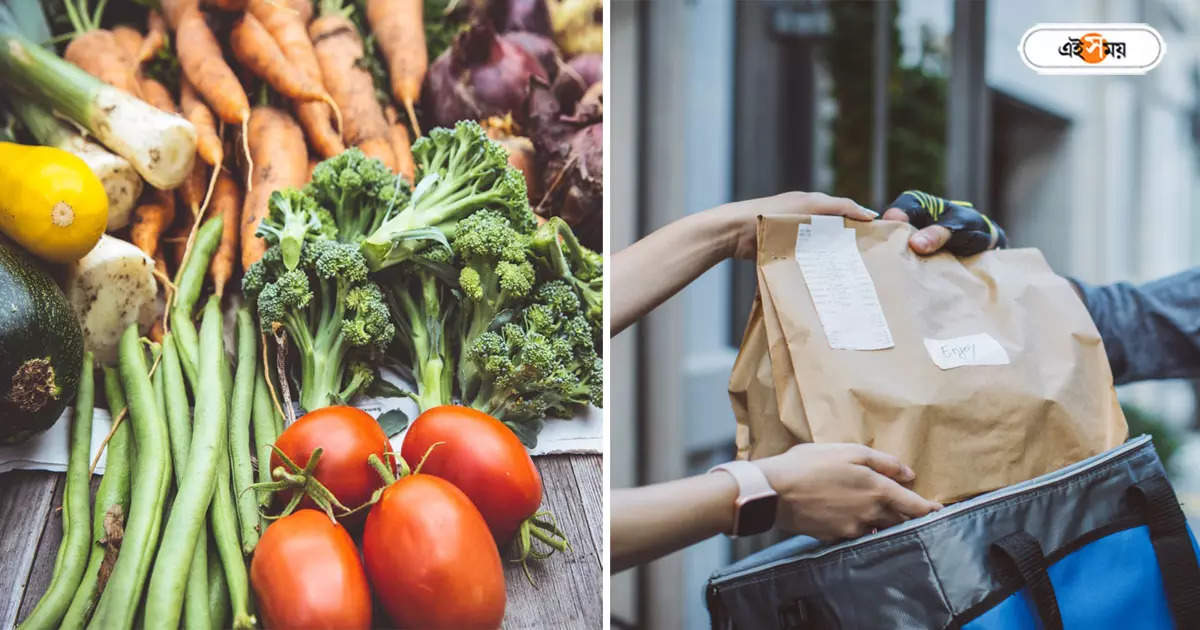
(1150,331)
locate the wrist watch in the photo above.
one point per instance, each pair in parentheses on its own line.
(754,509)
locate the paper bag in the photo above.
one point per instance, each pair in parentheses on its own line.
(989,370)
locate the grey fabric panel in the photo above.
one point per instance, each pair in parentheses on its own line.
(920,573)
(889,586)
(958,547)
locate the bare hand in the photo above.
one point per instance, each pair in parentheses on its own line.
(839,491)
(741,217)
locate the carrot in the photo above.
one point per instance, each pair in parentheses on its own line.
(288,27)
(257,51)
(302,8)
(131,42)
(156,37)
(399,27)
(317,119)
(157,95)
(339,47)
(280,160)
(202,63)
(380,149)
(99,54)
(176,241)
(208,141)
(312,163)
(174,10)
(155,213)
(401,146)
(226,203)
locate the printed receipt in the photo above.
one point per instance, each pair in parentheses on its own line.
(840,286)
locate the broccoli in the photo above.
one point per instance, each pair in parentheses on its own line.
(459,172)
(422,304)
(334,314)
(358,192)
(294,217)
(543,363)
(560,255)
(495,276)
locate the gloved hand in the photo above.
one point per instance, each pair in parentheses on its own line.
(955,225)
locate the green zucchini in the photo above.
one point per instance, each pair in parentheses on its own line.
(41,347)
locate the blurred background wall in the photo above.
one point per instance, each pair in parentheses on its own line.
(714,101)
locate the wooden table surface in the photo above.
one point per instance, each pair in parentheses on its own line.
(568,587)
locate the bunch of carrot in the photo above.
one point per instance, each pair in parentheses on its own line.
(314,98)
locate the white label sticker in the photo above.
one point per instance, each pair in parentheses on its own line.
(980,349)
(840,286)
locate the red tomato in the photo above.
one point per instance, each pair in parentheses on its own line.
(483,458)
(431,559)
(306,573)
(347,436)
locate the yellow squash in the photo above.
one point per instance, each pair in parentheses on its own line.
(50,202)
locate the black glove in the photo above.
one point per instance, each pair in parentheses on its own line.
(970,231)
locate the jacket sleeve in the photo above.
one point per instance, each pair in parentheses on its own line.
(1150,331)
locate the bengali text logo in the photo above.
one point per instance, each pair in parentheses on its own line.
(1092,48)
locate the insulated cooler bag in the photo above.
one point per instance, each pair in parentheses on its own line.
(1099,544)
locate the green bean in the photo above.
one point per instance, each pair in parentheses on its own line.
(239,431)
(265,430)
(69,565)
(188,282)
(160,396)
(113,491)
(151,481)
(224,527)
(164,600)
(190,278)
(179,421)
(218,591)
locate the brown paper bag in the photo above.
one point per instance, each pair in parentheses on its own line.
(964,430)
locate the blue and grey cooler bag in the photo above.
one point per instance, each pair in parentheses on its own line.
(1100,544)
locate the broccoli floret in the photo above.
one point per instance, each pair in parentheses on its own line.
(495,276)
(543,363)
(459,172)
(560,255)
(358,192)
(334,314)
(293,218)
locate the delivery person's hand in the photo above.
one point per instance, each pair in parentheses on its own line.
(955,225)
(837,491)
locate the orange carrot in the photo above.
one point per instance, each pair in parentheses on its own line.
(339,47)
(380,149)
(288,27)
(155,213)
(208,142)
(99,54)
(317,119)
(258,52)
(405,166)
(130,40)
(156,37)
(174,10)
(280,160)
(399,27)
(192,190)
(202,63)
(157,95)
(175,241)
(226,203)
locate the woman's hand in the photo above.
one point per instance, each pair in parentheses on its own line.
(740,218)
(838,491)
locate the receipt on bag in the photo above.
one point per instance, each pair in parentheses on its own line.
(840,286)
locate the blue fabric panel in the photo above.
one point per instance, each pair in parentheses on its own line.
(1112,583)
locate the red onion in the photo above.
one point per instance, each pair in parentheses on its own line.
(569,151)
(480,75)
(539,46)
(590,66)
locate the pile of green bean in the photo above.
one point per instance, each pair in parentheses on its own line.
(172,525)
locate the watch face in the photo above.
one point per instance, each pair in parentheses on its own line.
(757,515)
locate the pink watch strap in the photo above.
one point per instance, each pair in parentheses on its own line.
(751,481)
